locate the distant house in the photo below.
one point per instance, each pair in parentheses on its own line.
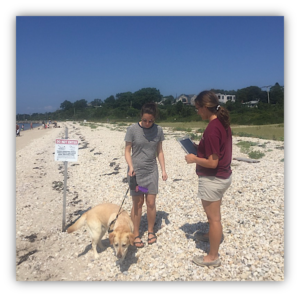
(190,99)
(224,98)
(162,101)
(95,106)
(186,99)
(251,103)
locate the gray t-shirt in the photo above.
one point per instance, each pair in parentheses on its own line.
(144,151)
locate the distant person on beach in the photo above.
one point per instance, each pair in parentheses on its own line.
(22,127)
(214,154)
(18,130)
(31,126)
(143,145)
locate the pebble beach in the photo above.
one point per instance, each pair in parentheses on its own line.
(252,212)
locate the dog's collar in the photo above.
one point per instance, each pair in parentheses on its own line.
(112,222)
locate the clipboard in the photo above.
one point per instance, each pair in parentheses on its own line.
(187,145)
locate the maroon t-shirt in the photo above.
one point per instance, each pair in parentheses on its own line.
(216,140)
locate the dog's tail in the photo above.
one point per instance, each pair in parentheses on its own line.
(78,224)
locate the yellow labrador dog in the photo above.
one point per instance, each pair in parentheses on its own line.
(98,220)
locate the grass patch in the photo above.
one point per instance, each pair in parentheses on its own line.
(193,136)
(247,143)
(182,129)
(272,132)
(185,125)
(201,130)
(246,148)
(93,126)
(255,154)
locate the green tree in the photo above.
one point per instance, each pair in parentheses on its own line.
(96,102)
(163,114)
(251,93)
(102,112)
(169,100)
(66,105)
(80,104)
(179,107)
(110,102)
(229,105)
(124,100)
(145,95)
(132,112)
(277,94)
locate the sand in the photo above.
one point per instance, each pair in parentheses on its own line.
(252,212)
(27,136)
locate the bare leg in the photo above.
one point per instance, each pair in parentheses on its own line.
(207,234)
(151,215)
(136,214)
(213,213)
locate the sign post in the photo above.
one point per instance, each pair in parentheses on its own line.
(65,189)
(65,150)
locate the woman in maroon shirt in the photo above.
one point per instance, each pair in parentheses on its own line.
(214,154)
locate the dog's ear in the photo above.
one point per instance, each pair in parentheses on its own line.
(111,237)
(131,238)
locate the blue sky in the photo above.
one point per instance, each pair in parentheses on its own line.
(73,58)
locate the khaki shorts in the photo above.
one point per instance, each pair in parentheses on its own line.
(211,188)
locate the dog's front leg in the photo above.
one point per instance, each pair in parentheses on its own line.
(94,246)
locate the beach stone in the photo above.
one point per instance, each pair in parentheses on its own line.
(252,213)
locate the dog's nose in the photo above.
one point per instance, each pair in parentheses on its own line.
(119,255)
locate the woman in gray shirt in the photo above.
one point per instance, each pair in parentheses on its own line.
(143,144)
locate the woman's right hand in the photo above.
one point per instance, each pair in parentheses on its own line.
(131,171)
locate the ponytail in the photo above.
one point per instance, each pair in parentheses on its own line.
(223,116)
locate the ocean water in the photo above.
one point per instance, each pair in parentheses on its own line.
(27,126)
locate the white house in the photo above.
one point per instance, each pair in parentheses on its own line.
(190,99)
(251,103)
(224,98)
(186,99)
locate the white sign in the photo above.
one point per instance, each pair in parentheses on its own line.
(66,150)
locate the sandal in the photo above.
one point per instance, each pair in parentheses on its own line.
(154,236)
(199,260)
(140,243)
